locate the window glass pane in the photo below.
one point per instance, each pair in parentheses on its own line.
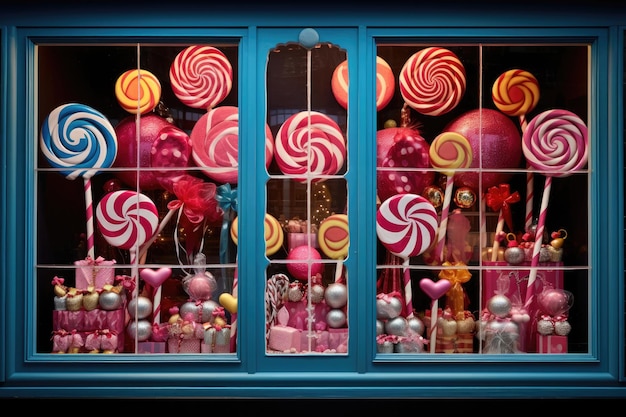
(133,249)
(482,186)
(306,289)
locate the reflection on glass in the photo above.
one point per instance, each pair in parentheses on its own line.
(137,257)
(468,132)
(306,293)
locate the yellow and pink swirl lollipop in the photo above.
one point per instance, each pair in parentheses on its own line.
(432,81)
(385,83)
(557,143)
(201,76)
(334,239)
(448,152)
(138,91)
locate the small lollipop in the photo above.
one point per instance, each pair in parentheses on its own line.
(448,151)
(406,225)
(81,140)
(138,91)
(516,93)
(334,239)
(385,84)
(201,76)
(432,81)
(215,144)
(310,143)
(555,142)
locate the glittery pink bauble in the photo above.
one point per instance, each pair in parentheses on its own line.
(149,128)
(306,255)
(401,148)
(501,146)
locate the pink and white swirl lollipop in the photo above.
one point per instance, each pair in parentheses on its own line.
(557,143)
(80,140)
(406,224)
(201,76)
(127,219)
(215,144)
(310,143)
(432,81)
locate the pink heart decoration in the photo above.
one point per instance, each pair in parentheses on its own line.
(155,278)
(435,289)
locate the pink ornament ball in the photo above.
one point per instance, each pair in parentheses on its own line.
(501,147)
(306,255)
(149,129)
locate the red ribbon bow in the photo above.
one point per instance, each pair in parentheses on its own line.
(197,198)
(57,281)
(500,198)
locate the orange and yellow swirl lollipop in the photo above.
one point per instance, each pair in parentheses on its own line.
(334,239)
(274,235)
(138,91)
(516,93)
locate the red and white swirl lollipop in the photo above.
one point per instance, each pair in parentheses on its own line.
(406,224)
(201,76)
(432,81)
(215,144)
(310,143)
(557,143)
(385,83)
(127,219)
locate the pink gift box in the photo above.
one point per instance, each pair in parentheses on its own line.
(516,292)
(94,273)
(95,319)
(299,239)
(150,347)
(298,314)
(181,345)
(338,339)
(284,338)
(551,344)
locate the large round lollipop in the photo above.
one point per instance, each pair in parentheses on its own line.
(273,233)
(127,219)
(516,93)
(555,142)
(385,83)
(334,239)
(432,81)
(406,225)
(138,91)
(215,144)
(201,76)
(310,143)
(448,152)
(80,140)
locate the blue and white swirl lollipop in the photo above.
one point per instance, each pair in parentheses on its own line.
(81,141)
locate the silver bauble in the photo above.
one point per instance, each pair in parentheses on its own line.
(514,255)
(110,300)
(499,305)
(140,307)
(397,326)
(380,327)
(416,325)
(544,254)
(336,318)
(201,313)
(59,303)
(336,295)
(545,327)
(141,329)
(562,328)
(384,347)
(316,293)
(388,308)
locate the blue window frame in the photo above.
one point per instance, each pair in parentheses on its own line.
(595,367)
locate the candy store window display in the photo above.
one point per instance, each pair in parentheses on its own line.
(307,227)
(136,182)
(482,185)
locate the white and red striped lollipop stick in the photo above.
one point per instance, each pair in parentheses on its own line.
(555,142)
(89,216)
(449,151)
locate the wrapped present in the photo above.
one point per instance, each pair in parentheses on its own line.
(338,339)
(94,273)
(284,338)
(151,347)
(95,319)
(114,320)
(299,239)
(551,344)
(548,276)
(183,345)
(216,340)
(299,314)
(457,343)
